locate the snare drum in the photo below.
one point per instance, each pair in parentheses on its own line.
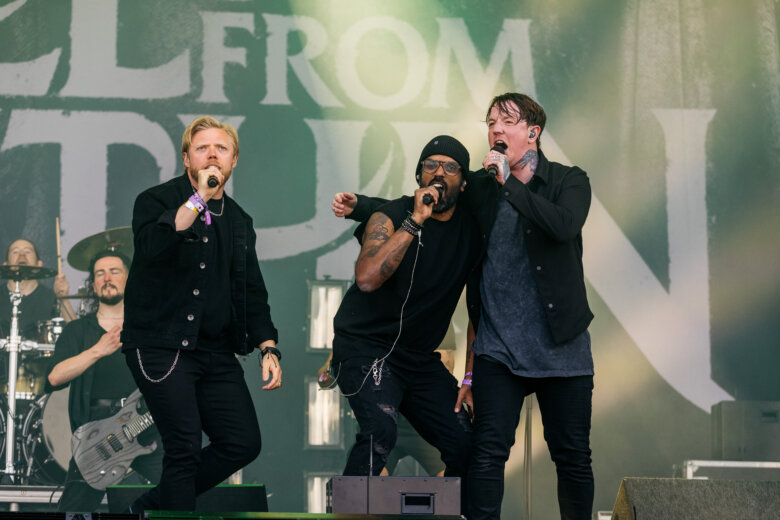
(46,433)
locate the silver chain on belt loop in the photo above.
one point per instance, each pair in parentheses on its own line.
(163,378)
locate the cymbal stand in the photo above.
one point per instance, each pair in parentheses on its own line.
(12,346)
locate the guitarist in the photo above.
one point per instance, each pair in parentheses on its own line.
(87,357)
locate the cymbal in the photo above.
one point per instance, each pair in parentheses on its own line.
(119,240)
(25,272)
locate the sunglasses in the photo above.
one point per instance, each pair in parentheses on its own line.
(432,165)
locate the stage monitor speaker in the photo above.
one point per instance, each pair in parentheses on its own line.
(746,430)
(394,495)
(678,499)
(223,498)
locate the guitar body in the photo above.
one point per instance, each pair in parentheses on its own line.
(103,450)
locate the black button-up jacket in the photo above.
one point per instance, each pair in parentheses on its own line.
(164,299)
(553,207)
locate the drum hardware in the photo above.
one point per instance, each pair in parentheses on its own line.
(13,345)
(43,449)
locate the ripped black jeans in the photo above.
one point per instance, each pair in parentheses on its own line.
(425,397)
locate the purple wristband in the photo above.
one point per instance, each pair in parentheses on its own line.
(199,203)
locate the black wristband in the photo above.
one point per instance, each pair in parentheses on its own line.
(270,350)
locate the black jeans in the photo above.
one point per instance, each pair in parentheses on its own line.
(205,392)
(565,406)
(425,398)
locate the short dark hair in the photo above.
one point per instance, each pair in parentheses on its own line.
(525,108)
(35,248)
(105,254)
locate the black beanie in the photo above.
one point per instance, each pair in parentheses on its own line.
(445,145)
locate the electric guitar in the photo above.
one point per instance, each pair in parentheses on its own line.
(103,450)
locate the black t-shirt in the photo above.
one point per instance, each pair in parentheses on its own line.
(112,380)
(39,305)
(367,323)
(109,378)
(215,325)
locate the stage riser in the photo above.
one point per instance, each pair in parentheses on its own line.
(220,498)
(678,499)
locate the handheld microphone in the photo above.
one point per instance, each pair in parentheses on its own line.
(212,182)
(500,148)
(428,198)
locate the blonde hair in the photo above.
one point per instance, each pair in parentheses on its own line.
(203,123)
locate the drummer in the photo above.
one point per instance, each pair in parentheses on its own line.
(39,303)
(87,357)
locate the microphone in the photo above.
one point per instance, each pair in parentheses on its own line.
(500,148)
(428,198)
(212,182)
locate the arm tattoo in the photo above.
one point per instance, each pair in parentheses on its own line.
(378,233)
(393,260)
(530,159)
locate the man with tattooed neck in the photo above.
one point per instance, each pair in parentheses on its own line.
(532,334)
(415,259)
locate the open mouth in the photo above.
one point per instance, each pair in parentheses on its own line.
(500,142)
(439,185)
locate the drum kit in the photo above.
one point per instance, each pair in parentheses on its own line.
(36,426)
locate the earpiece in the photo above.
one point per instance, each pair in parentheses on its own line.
(532,134)
(418,178)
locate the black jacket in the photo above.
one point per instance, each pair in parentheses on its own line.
(553,207)
(163,305)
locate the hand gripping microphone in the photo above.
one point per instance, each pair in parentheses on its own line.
(428,198)
(212,181)
(500,148)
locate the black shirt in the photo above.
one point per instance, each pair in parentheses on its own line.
(213,333)
(39,305)
(367,323)
(109,378)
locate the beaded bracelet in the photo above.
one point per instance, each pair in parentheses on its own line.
(411,227)
(467,379)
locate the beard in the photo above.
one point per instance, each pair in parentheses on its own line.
(112,299)
(447,199)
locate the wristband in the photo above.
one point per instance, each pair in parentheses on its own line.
(199,205)
(190,205)
(467,379)
(270,350)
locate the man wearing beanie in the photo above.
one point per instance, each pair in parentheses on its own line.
(413,265)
